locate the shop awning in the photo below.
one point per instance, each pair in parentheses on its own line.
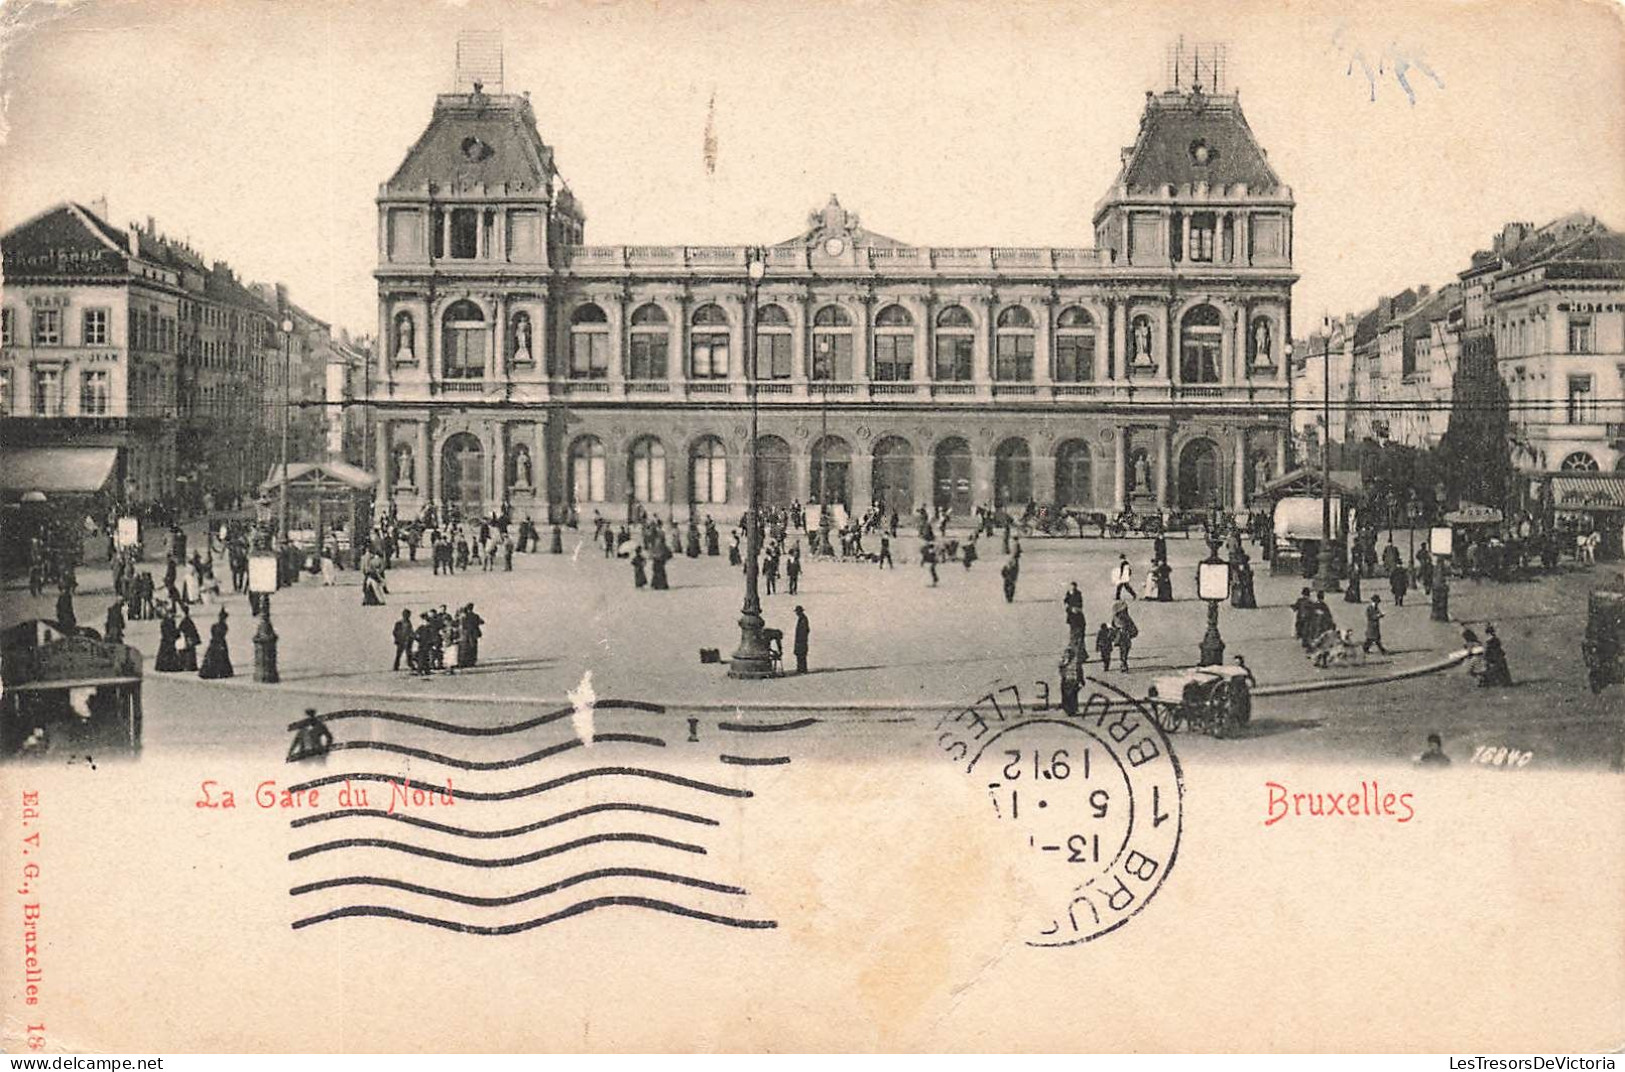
(55,470)
(1592,491)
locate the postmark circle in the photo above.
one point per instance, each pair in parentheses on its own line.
(1093,802)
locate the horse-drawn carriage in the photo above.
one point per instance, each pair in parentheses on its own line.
(1216,700)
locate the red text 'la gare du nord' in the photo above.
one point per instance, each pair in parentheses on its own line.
(403,794)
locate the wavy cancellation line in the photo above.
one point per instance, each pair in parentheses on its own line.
(485,731)
(530,790)
(772,727)
(501,861)
(517,898)
(580,908)
(515,831)
(494,764)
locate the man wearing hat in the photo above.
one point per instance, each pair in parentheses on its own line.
(1373,625)
(803,628)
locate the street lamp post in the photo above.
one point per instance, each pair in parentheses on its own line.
(753,660)
(1326,580)
(287,376)
(1212,585)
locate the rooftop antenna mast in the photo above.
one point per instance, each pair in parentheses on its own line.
(479,61)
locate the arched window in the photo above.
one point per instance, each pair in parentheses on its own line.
(832,345)
(773,343)
(520,343)
(708,472)
(587,470)
(1015,346)
(956,345)
(1579,462)
(463,343)
(589,343)
(894,345)
(651,337)
(1199,343)
(708,343)
(1142,345)
(648,470)
(1074,346)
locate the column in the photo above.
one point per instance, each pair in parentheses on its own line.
(677,359)
(1120,469)
(1185,236)
(1043,476)
(499,338)
(801,467)
(622,355)
(1280,454)
(1243,239)
(1165,461)
(479,234)
(861,372)
(1170,359)
(860,485)
(500,233)
(982,372)
(981,476)
(1119,367)
(423,477)
(445,231)
(499,466)
(386,340)
(386,479)
(543,471)
(1044,346)
(1240,370)
(1240,480)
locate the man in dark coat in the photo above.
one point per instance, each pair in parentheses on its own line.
(1011,571)
(792,568)
(1373,625)
(403,640)
(1399,582)
(803,629)
(1301,610)
(114,633)
(65,616)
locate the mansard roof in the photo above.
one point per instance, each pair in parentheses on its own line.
(478,139)
(66,240)
(1193,137)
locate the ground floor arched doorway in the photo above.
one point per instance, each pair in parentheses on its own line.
(774,479)
(892,474)
(951,476)
(1074,474)
(1199,475)
(462,474)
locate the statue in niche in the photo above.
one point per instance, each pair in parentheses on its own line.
(404,330)
(1142,473)
(521,339)
(405,470)
(1261,473)
(1142,341)
(1261,343)
(521,467)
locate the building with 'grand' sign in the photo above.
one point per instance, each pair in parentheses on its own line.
(520,366)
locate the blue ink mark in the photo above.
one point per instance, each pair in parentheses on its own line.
(1391,59)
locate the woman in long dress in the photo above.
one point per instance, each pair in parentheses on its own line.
(640,579)
(217,660)
(168,660)
(189,640)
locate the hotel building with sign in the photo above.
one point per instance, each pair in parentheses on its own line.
(519,365)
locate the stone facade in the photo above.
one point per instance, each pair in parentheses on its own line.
(518,366)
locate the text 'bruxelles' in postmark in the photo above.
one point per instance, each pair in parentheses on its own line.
(1092,791)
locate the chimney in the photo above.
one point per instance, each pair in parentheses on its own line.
(1385,310)
(99,207)
(1423,291)
(152,226)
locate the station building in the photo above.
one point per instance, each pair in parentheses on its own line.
(518,365)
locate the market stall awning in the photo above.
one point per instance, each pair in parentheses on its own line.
(333,474)
(55,470)
(1473,514)
(1589,491)
(1345,483)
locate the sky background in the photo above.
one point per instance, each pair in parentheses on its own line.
(260,131)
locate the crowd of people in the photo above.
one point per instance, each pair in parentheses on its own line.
(440,642)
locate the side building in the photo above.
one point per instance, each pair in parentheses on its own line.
(133,367)
(518,367)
